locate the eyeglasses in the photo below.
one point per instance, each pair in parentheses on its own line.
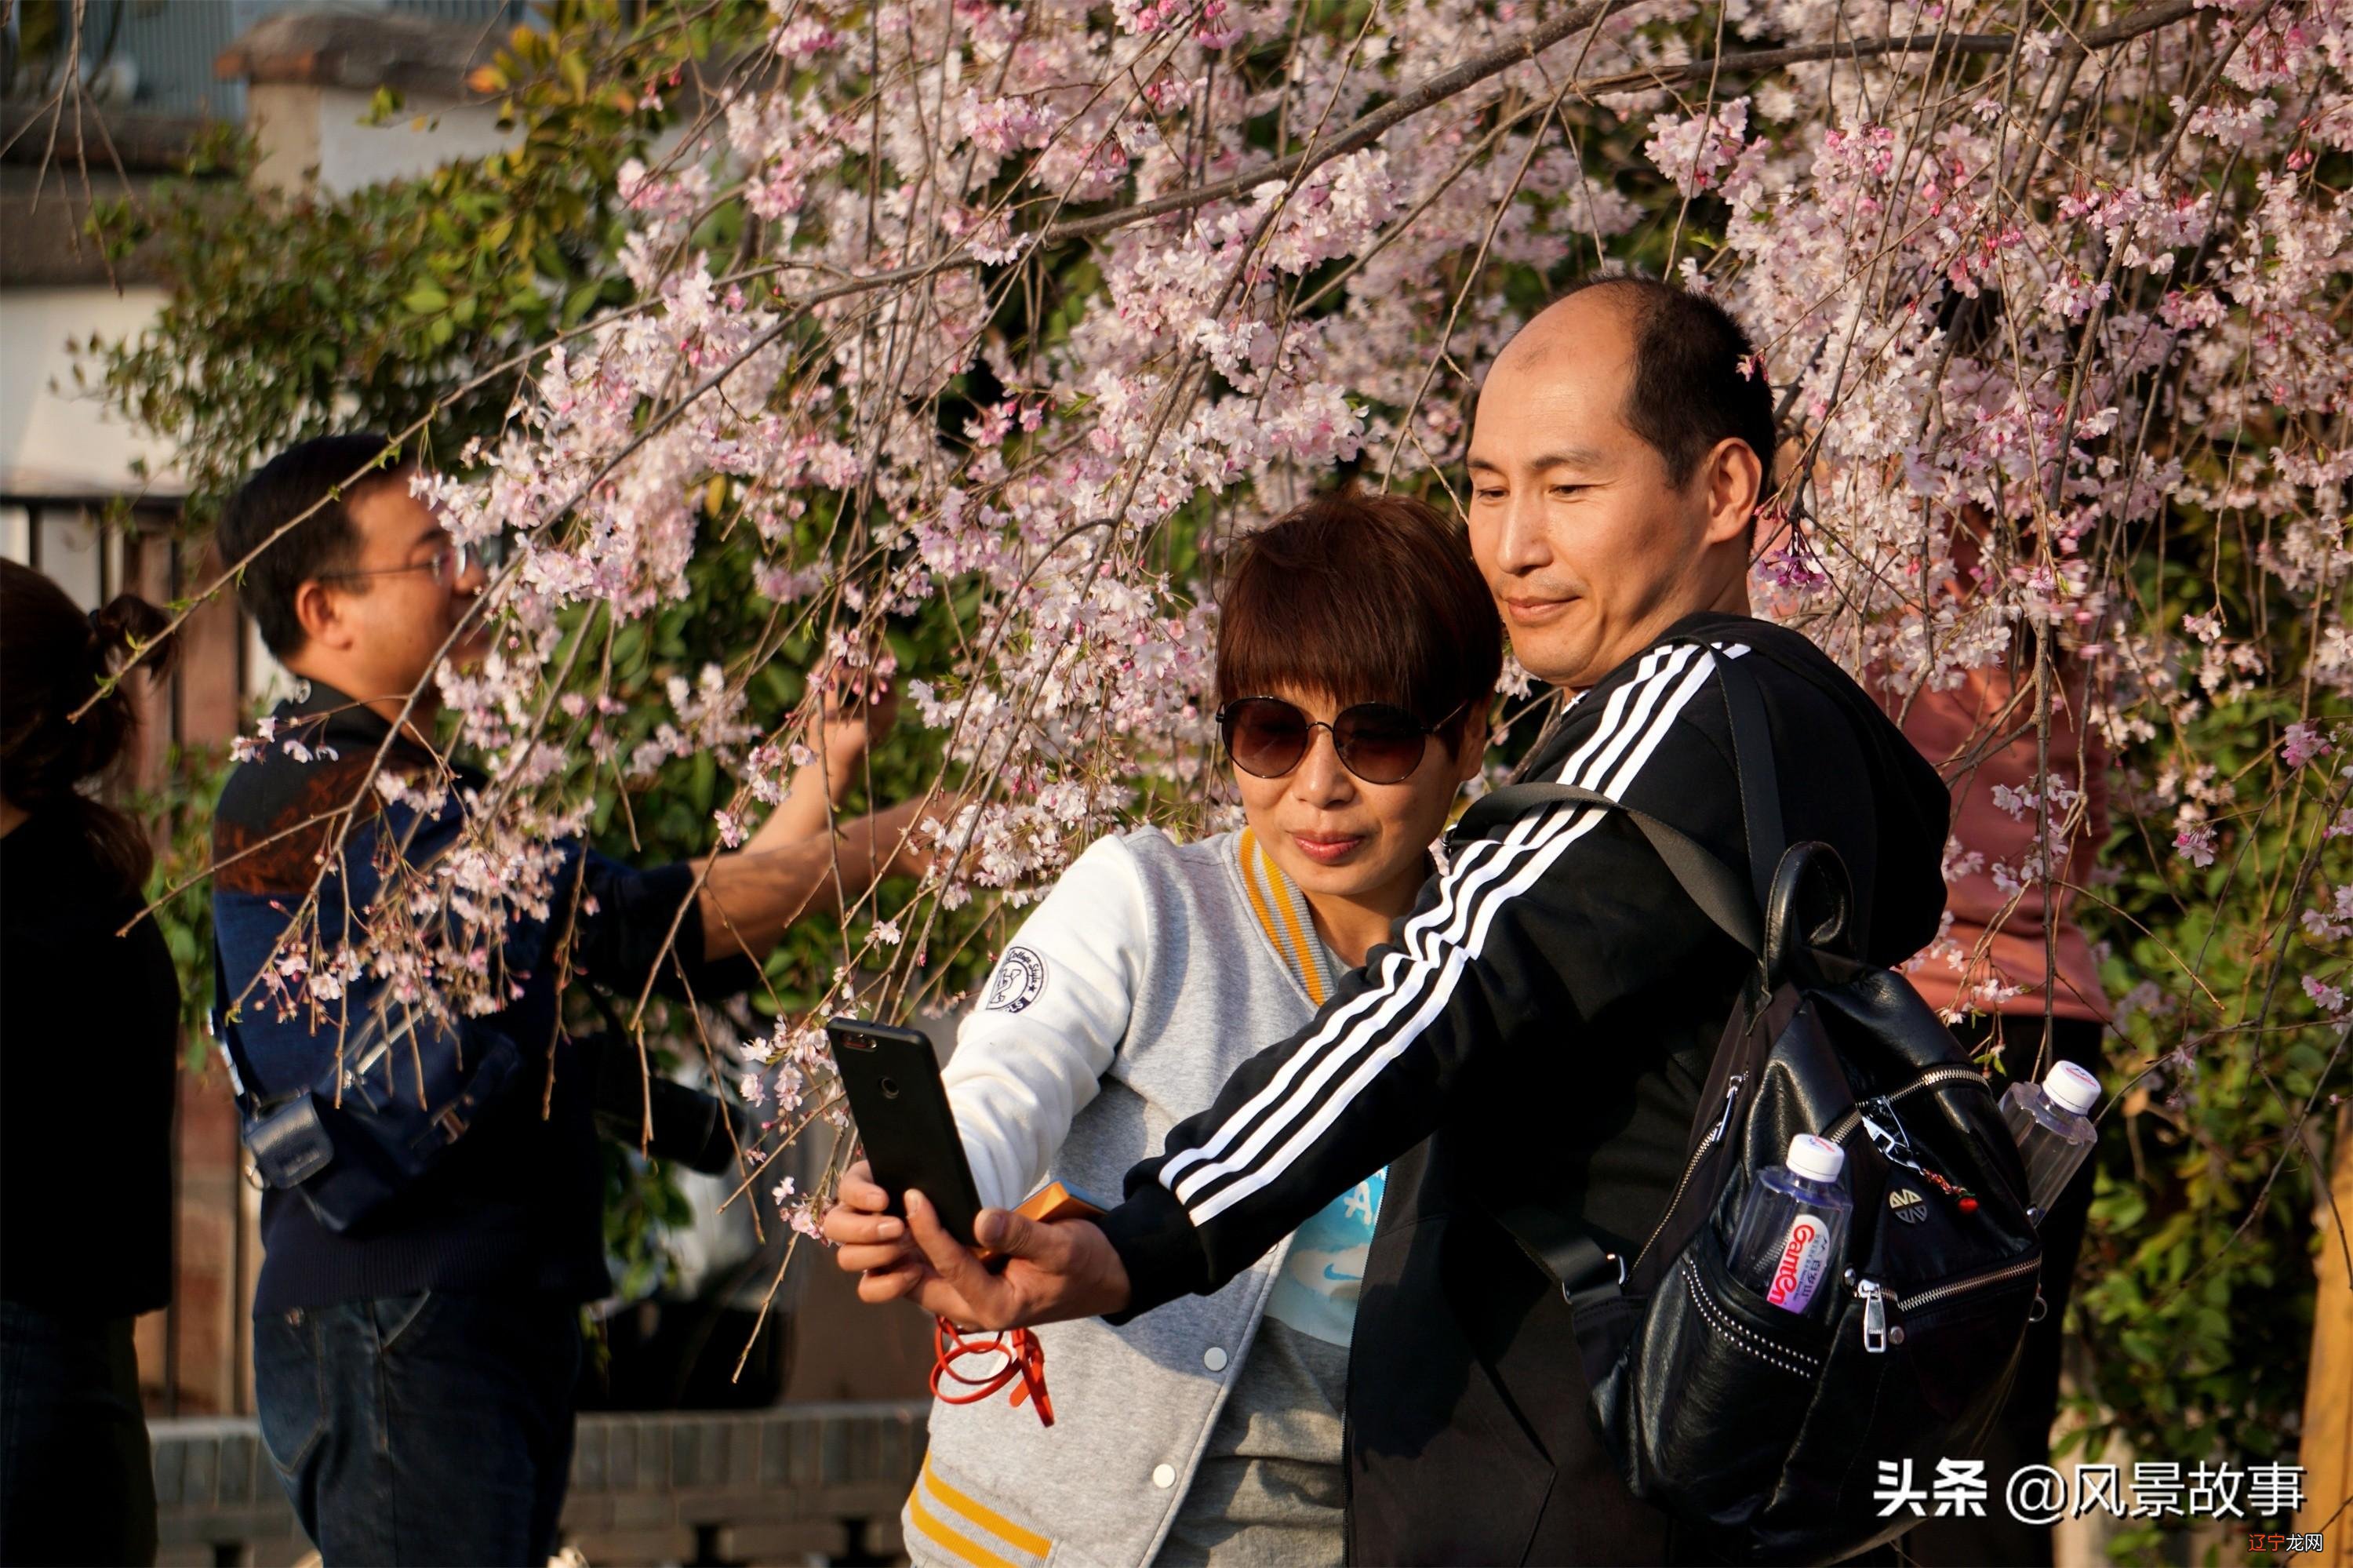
(449,563)
(1378,743)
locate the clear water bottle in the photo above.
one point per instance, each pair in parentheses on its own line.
(2049,1122)
(1792,1228)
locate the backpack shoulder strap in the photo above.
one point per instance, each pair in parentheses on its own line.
(1591,1279)
(1752,766)
(1709,882)
(224,1037)
(1587,1274)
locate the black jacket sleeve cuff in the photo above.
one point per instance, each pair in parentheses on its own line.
(729,976)
(1159,1247)
(634,911)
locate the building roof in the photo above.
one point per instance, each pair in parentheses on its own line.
(361,50)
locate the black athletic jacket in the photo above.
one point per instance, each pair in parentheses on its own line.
(1544,1020)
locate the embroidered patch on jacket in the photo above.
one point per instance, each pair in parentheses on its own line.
(1020,975)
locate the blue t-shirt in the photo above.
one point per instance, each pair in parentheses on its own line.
(1324,1270)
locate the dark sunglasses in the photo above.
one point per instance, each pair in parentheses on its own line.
(1378,743)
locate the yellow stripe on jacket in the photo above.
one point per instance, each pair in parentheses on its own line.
(1281,911)
(944,1533)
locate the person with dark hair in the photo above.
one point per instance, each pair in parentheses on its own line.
(294,525)
(416,1332)
(89,1012)
(1695,381)
(1533,1038)
(1358,657)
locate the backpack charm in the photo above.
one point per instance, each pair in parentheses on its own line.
(1885,1131)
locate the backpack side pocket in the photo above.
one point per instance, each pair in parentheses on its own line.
(1709,1342)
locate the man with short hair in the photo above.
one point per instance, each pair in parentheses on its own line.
(415,1360)
(1540,1025)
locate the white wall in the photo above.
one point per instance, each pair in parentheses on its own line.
(60,439)
(64,443)
(61,442)
(352,153)
(322,133)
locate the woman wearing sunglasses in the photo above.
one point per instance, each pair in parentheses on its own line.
(1357,650)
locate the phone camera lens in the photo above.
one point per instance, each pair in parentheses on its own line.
(889,1089)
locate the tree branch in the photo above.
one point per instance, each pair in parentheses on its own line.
(1448,84)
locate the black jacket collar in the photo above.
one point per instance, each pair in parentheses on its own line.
(317,715)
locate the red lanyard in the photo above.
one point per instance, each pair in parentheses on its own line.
(1025,1359)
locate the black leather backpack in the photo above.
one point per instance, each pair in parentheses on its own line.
(1731,1413)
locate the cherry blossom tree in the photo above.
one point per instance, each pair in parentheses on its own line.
(964,335)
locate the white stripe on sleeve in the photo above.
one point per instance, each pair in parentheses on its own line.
(1320,1080)
(1628,713)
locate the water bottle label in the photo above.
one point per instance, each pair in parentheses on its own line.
(1805,1258)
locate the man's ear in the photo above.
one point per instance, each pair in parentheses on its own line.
(1735,488)
(318,609)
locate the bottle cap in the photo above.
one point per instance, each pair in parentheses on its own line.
(2071,1088)
(1815,1159)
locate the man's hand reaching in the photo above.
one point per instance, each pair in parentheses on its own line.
(1045,1273)
(850,725)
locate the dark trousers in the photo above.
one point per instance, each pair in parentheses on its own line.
(422,1429)
(2021,1434)
(76,1483)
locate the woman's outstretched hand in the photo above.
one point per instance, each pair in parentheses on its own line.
(869,1243)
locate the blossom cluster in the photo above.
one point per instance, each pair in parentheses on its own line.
(1037,306)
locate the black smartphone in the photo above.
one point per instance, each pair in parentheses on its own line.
(892,1078)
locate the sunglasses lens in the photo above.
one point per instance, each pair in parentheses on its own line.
(1265,737)
(1379,744)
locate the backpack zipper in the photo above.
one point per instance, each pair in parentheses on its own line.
(1874,1316)
(1714,1136)
(1929,1080)
(1876,1298)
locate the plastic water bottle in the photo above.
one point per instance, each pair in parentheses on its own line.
(2048,1119)
(1792,1229)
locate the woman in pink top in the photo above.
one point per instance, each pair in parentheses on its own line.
(1998,953)
(2008,958)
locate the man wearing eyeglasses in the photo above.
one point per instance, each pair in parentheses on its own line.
(1535,1035)
(432,1214)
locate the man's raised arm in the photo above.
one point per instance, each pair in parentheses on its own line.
(752,897)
